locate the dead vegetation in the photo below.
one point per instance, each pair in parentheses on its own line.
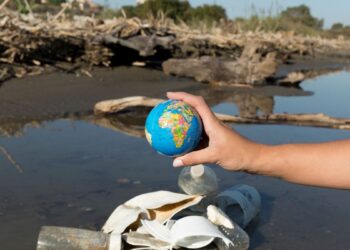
(31,44)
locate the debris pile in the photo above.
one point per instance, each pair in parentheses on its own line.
(33,43)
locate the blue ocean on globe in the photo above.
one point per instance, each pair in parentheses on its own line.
(173,128)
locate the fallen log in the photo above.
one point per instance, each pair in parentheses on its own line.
(116,105)
(145,45)
(251,68)
(313,120)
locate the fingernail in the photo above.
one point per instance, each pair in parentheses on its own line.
(178,163)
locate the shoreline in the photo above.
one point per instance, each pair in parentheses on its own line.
(60,93)
(57,95)
(34,99)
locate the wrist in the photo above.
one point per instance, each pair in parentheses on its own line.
(265,160)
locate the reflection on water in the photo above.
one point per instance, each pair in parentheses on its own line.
(328,94)
(75,171)
(331,97)
(248,102)
(128,122)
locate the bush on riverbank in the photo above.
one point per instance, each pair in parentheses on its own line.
(177,10)
(299,19)
(339,30)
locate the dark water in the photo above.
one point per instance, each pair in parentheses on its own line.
(75,172)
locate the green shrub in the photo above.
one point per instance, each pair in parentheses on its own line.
(174,9)
(298,19)
(208,13)
(302,15)
(338,29)
(177,10)
(255,22)
(337,26)
(55,2)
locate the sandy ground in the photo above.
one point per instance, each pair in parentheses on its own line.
(57,94)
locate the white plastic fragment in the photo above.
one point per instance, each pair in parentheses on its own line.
(115,242)
(160,205)
(218,217)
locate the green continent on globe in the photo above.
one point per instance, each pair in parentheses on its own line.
(177,117)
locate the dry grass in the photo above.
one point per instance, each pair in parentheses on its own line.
(29,43)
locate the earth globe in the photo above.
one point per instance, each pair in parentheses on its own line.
(173,128)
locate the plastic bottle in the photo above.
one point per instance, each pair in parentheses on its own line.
(64,238)
(241,203)
(229,228)
(198,180)
(237,235)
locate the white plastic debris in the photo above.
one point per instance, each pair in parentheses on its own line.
(160,206)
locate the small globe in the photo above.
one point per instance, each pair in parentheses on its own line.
(173,128)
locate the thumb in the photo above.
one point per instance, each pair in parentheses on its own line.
(193,158)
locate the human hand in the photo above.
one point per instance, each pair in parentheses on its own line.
(225,147)
(317,164)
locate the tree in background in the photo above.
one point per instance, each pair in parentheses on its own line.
(208,13)
(177,10)
(298,19)
(302,14)
(174,9)
(55,2)
(339,30)
(337,26)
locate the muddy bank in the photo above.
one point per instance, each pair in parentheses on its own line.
(58,94)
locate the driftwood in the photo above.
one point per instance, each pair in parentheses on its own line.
(112,107)
(251,68)
(312,120)
(3,4)
(116,105)
(146,46)
(77,43)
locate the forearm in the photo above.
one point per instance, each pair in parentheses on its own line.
(323,164)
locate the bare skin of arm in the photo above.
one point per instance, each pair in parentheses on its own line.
(320,164)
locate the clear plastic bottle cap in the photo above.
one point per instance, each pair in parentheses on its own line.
(197,171)
(198,180)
